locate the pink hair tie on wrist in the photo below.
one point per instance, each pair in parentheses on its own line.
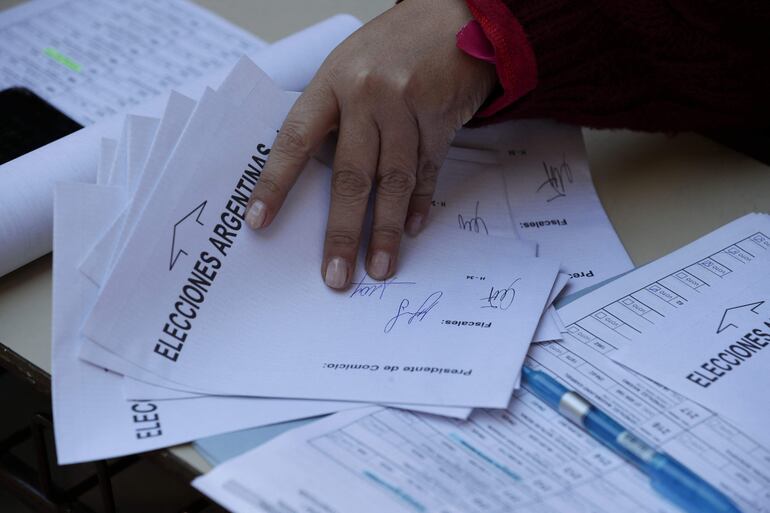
(508,49)
(472,40)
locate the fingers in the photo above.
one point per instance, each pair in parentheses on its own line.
(434,146)
(312,117)
(395,181)
(354,166)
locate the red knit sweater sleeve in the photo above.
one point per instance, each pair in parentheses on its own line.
(662,65)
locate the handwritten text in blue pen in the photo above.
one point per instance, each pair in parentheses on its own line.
(416,315)
(475,224)
(364,288)
(556,178)
(499,298)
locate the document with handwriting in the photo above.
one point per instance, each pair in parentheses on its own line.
(529,458)
(622,311)
(175,116)
(209,298)
(93,59)
(522,459)
(719,354)
(552,199)
(153,387)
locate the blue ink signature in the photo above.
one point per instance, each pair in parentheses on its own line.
(474,224)
(365,288)
(500,298)
(555,179)
(418,315)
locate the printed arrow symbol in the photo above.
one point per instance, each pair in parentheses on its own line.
(187,219)
(730,313)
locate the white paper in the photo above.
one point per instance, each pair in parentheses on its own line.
(26,183)
(107,152)
(136,390)
(244,77)
(144,386)
(548,329)
(175,118)
(92,420)
(488,183)
(233,88)
(132,152)
(103,255)
(552,199)
(622,311)
(118,173)
(527,458)
(141,134)
(238,295)
(718,354)
(451,279)
(470,196)
(94,58)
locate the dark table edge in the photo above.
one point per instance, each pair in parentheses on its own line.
(40,380)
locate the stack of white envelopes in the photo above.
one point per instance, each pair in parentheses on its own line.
(174,321)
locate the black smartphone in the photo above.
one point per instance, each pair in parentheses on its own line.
(28,122)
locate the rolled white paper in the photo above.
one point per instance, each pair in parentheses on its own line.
(26,183)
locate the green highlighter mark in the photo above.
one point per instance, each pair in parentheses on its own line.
(62,59)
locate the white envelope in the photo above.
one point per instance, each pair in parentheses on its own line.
(156,262)
(176,114)
(92,420)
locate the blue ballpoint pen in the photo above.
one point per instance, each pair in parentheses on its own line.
(668,477)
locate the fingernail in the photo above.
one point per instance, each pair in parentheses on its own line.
(414,224)
(256,215)
(336,273)
(379,265)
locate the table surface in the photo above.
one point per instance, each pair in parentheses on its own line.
(660,191)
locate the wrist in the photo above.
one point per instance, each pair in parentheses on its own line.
(495,36)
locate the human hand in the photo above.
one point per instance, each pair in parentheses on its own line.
(396,91)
